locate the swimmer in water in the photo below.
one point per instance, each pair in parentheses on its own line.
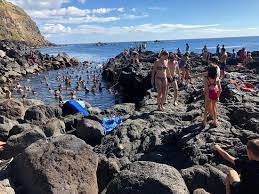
(73,95)
(110,91)
(100,87)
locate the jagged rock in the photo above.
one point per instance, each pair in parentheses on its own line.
(12,53)
(3,79)
(31,102)
(12,109)
(206,177)
(41,114)
(121,109)
(107,169)
(63,164)
(94,111)
(71,121)
(5,187)
(18,142)
(90,131)
(5,126)
(147,177)
(54,127)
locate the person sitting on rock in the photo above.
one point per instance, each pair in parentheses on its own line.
(248,59)
(135,57)
(247,181)
(212,91)
(159,77)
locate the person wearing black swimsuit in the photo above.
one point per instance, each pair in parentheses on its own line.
(159,77)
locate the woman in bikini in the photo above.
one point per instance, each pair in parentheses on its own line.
(212,91)
(175,73)
(159,76)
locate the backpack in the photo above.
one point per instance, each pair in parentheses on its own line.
(213,91)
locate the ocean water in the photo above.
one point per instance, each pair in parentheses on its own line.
(100,54)
(92,52)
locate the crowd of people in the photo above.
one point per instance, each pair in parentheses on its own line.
(173,68)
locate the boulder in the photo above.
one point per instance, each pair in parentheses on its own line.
(41,114)
(90,131)
(3,79)
(12,53)
(71,121)
(207,177)
(64,164)
(121,109)
(2,54)
(12,109)
(5,187)
(54,127)
(107,169)
(5,126)
(147,177)
(31,102)
(19,141)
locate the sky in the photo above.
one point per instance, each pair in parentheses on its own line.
(89,21)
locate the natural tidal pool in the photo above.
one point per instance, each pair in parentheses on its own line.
(43,86)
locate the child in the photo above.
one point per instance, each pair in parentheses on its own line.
(248,181)
(212,91)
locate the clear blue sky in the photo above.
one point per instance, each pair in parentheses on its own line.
(81,21)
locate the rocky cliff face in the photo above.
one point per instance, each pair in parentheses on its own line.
(16,25)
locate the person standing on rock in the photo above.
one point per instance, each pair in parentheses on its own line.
(212,91)
(175,73)
(187,48)
(217,50)
(247,181)
(223,62)
(159,78)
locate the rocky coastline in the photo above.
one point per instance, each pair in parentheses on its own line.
(150,152)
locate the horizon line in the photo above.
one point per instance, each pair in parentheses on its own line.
(162,40)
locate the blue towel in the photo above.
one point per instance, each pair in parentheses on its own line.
(110,124)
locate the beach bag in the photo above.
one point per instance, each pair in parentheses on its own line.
(213,91)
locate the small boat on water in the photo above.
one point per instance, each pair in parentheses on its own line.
(100,44)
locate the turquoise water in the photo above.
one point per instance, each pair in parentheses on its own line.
(100,54)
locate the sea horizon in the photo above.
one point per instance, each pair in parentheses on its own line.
(161,40)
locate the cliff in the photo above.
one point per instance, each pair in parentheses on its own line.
(16,25)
